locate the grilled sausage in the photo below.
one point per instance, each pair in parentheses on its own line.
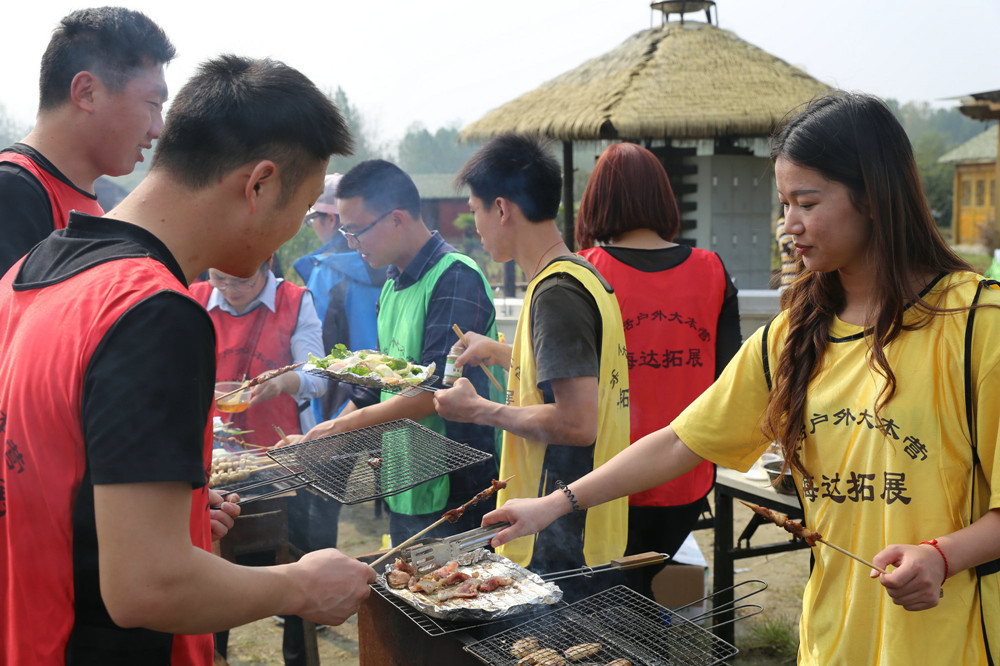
(524,646)
(582,651)
(619,662)
(543,657)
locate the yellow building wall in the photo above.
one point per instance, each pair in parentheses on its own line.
(974,206)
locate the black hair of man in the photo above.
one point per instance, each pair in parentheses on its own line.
(382,186)
(112,43)
(517,167)
(238,110)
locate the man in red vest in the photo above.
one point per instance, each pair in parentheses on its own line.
(107,370)
(101,95)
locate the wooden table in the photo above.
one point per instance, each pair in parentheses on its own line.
(729,485)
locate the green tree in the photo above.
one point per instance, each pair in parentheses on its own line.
(11,131)
(933,132)
(423,152)
(366,143)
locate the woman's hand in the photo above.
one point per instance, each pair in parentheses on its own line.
(915,583)
(526,516)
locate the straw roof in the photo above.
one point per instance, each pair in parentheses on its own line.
(680,80)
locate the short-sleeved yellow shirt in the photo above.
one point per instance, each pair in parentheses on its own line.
(866,488)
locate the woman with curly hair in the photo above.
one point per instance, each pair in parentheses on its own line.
(879,381)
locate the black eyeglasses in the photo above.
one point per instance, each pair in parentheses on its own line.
(355,235)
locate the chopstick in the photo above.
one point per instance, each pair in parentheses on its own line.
(461,336)
(281,434)
(260,379)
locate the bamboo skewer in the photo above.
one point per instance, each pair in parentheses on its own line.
(461,336)
(834,546)
(439,521)
(850,554)
(396,549)
(260,379)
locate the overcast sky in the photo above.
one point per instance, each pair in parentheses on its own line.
(443,61)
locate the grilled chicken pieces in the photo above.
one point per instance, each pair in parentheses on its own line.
(781,520)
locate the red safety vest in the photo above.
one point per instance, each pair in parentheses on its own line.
(41,426)
(670,320)
(63,196)
(253,343)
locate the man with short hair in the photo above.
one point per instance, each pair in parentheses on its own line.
(345,290)
(107,369)
(431,287)
(100,100)
(567,394)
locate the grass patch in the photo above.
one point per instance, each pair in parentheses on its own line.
(775,637)
(979,262)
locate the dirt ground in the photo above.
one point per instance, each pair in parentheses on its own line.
(361,532)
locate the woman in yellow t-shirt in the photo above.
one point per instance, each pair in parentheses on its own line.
(879,379)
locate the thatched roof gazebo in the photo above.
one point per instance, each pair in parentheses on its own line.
(681,83)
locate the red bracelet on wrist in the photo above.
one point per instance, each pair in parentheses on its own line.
(933,542)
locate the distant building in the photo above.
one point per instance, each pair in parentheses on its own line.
(976,208)
(975,187)
(441,203)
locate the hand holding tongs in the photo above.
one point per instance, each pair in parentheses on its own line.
(439,552)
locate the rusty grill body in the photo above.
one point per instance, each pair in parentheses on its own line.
(372,462)
(625,623)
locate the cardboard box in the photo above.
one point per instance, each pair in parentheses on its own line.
(683,582)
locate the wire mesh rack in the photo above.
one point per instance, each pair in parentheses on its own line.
(625,625)
(372,462)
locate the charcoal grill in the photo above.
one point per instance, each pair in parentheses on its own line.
(368,463)
(625,623)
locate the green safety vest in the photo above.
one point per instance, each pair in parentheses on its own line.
(401,318)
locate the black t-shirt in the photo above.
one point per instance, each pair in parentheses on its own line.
(566,331)
(25,208)
(147,396)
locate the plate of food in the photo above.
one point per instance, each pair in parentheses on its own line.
(486,586)
(368,367)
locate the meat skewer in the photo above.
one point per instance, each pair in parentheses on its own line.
(449,516)
(260,379)
(800,532)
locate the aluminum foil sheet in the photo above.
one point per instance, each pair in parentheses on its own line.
(527,592)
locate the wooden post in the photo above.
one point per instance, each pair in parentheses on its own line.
(569,227)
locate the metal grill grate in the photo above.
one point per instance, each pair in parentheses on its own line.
(375,382)
(439,627)
(377,461)
(625,623)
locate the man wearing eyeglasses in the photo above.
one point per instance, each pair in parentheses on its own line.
(345,291)
(431,287)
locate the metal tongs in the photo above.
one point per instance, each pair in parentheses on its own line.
(434,554)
